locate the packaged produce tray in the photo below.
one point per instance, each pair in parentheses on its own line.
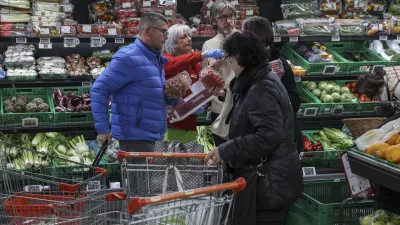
(72,117)
(329,158)
(310,105)
(334,108)
(369,58)
(15,119)
(289,52)
(320,204)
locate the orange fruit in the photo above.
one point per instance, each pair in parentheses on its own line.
(378,149)
(393,139)
(393,154)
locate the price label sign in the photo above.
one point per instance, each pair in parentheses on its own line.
(21,40)
(310,112)
(359,186)
(96,42)
(337,111)
(277,39)
(330,70)
(119,40)
(70,42)
(335,38)
(86,84)
(309,171)
(293,39)
(398,37)
(33,188)
(297,79)
(30,122)
(93,185)
(45,46)
(376,67)
(45,41)
(383,38)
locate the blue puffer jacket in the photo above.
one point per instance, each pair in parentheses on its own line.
(135,81)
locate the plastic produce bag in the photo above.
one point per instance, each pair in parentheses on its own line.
(286,28)
(352,6)
(376,6)
(178,85)
(299,10)
(378,135)
(317,26)
(112,151)
(380,217)
(347,27)
(330,7)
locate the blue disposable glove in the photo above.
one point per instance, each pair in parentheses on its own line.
(216,54)
(200,110)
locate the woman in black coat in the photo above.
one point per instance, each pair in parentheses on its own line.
(261,147)
(263,29)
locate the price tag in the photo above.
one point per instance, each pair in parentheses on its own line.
(112,31)
(277,39)
(383,38)
(168,12)
(146,3)
(21,40)
(44,31)
(309,171)
(359,186)
(376,67)
(329,70)
(45,46)
(70,42)
(86,84)
(249,12)
(105,51)
(310,112)
(65,29)
(30,122)
(45,41)
(297,79)
(293,39)
(335,38)
(115,185)
(93,185)
(364,68)
(337,111)
(87,28)
(208,117)
(119,40)
(126,5)
(96,42)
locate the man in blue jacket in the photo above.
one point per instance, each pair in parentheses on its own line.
(134,81)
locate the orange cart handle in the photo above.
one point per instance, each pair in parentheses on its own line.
(115,196)
(167,155)
(138,202)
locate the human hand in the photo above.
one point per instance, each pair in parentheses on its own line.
(215,53)
(216,63)
(213,156)
(200,110)
(104,138)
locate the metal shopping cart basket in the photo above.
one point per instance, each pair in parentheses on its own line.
(47,188)
(162,173)
(194,207)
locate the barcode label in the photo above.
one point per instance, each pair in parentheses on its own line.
(30,122)
(309,171)
(277,39)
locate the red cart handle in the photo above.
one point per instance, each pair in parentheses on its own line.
(167,155)
(138,202)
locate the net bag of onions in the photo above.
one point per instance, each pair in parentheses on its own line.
(210,78)
(178,85)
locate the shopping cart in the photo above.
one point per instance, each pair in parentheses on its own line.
(195,207)
(47,188)
(166,172)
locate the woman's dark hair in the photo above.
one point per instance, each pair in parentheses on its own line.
(370,84)
(263,29)
(247,48)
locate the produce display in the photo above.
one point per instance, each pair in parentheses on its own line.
(329,92)
(71,102)
(314,52)
(309,146)
(332,138)
(178,85)
(51,67)
(76,65)
(22,103)
(380,217)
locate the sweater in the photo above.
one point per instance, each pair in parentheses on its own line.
(225,70)
(177,64)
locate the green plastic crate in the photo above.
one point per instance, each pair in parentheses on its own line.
(329,158)
(357,67)
(15,119)
(73,117)
(320,204)
(310,105)
(114,171)
(313,68)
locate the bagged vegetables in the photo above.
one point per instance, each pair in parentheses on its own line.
(178,85)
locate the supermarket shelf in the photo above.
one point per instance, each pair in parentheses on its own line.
(55,128)
(329,176)
(334,38)
(78,81)
(330,77)
(374,170)
(328,121)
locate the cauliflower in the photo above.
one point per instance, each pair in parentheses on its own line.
(44,107)
(18,108)
(7,102)
(38,101)
(31,107)
(9,108)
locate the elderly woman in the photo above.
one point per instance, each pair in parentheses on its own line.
(261,147)
(181,57)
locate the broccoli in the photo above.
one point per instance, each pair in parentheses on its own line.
(44,107)
(31,107)
(38,101)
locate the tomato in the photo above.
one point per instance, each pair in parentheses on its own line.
(356,95)
(348,85)
(353,84)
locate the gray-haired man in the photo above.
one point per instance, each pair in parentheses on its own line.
(134,80)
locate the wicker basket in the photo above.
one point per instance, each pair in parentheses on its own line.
(359,126)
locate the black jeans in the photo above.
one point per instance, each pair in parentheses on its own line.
(217,139)
(271,217)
